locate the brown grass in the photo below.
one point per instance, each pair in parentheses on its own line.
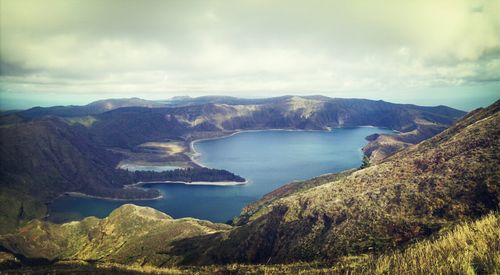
(470,248)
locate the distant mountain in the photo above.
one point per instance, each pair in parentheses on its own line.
(408,197)
(129,122)
(128,127)
(93,108)
(179,101)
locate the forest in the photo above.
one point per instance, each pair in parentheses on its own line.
(188,175)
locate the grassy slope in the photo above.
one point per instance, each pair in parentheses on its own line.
(284,191)
(469,248)
(130,234)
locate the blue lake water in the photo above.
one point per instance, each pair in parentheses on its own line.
(267,159)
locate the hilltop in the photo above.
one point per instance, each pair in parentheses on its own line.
(468,247)
(128,232)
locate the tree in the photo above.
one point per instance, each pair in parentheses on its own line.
(365,163)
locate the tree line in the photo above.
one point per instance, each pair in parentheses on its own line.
(188,175)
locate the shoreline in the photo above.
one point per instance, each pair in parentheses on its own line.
(212,183)
(194,155)
(82,195)
(141,183)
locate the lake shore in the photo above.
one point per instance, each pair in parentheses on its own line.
(212,183)
(194,156)
(82,195)
(180,198)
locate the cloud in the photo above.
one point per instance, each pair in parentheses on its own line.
(165,48)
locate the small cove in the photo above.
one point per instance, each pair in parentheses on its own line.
(267,159)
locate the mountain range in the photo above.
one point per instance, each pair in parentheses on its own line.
(438,172)
(424,193)
(46,152)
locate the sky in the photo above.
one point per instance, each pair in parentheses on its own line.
(427,52)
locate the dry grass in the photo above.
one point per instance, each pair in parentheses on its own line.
(86,121)
(471,248)
(468,249)
(170,148)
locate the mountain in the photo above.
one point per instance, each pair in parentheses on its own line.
(46,152)
(129,231)
(180,101)
(381,146)
(93,108)
(460,250)
(408,196)
(129,122)
(42,159)
(128,127)
(420,193)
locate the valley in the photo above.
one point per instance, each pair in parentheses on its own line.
(77,148)
(399,201)
(296,155)
(428,196)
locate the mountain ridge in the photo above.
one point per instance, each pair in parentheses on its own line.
(408,197)
(109,137)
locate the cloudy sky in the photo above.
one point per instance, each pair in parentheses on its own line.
(427,52)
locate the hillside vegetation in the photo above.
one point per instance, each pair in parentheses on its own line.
(470,248)
(41,160)
(130,234)
(398,214)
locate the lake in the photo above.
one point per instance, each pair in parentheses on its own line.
(267,159)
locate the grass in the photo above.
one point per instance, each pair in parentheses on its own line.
(170,148)
(86,121)
(470,248)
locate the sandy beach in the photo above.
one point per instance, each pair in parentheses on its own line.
(213,183)
(82,195)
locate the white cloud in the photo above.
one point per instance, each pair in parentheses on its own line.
(164,48)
